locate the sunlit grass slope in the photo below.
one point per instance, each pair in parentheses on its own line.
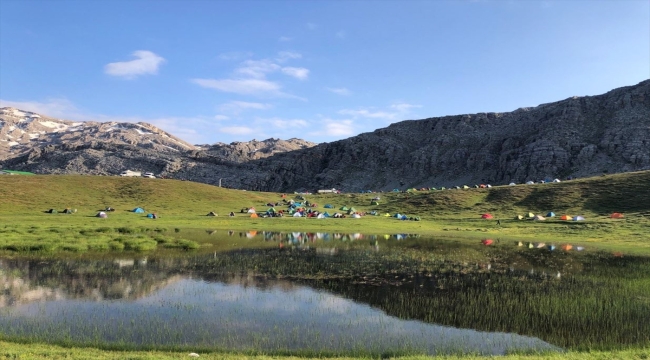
(450,213)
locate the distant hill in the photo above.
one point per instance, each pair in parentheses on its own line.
(579,136)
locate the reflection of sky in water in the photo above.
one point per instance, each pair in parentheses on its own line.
(191,312)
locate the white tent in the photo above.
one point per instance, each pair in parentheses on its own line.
(297,214)
(512,184)
(320,216)
(356,216)
(530,182)
(556,180)
(251,210)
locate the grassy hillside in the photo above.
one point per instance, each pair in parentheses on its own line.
(449,213)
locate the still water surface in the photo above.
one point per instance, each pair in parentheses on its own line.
(325,294)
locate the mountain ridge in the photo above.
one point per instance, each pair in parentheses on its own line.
(577,136)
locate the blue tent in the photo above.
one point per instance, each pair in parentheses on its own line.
(404,217)
(326,214)
(328,206)
(397,215)
(551,214)
(578,218)
(138,210)
(395,190)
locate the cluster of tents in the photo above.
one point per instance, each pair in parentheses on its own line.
(537,245)
(65,211)
(138,210)
(531,216)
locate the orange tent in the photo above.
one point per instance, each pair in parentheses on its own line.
(567,247)
(254,215)
(565,217)
(617,216)
(487,216)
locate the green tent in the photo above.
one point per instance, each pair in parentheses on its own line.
(374,203)
(271,210)
(344,208)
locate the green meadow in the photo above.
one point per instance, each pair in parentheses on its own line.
(596,310)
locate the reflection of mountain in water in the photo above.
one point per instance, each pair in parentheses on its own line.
(497,297)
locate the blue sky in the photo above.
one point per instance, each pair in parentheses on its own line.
(210,71)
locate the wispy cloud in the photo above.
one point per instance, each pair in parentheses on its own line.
(368,114)
(284,39)
(279,123)
(237,130)
(241,86)
(332,127)
(257,68)
(237,107)
(146,62)
(53,107)
(298,73)
(287,55)
(340,91)
(221,117)
(234,55)
(404,107)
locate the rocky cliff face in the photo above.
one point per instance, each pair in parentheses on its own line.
(579,136)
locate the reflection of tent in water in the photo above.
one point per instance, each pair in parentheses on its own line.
(254,215)
(565,217)
(567,247)
(578,218)
(540,245)
(616,216)
(102,215)
(251,234)
(138,210)
(531,215)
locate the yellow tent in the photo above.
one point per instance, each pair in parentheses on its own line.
(531,215)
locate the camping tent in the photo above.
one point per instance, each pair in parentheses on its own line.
(52,211)
(397,215)
(271,210)
(387,215)
(556,180)
(297,214)
(320,216)
(565,217)
(68,211)
(512,184)
(152,216)
(212,213)
(328,206)
(395,190)
(254,215)
(374,203)
(578,218)
(251,210)
(465,187)
(530,182)
(550,214)
(102,215)
(531,215)
(519,217)
(487,242)
(138,210)
(344,208)
(356,216)
(539,218)
(487,216)
(616,216)
(567,247)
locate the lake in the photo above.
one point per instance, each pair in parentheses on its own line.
(322,293)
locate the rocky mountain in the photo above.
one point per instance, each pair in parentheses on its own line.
(579,136)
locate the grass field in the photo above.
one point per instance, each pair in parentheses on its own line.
(26,226)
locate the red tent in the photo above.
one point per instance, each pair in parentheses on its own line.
(487,216)
(487,242)
(617,216)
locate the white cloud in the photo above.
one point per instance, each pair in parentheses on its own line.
(221,117)
(257,68)
(237,130)
(335,128)
(340,34)
(404,107)
(287,55)
(339,91)
(238,106)
(368,114)
(298,73)
(284,39)
(235,55)
(279,123)
(57,108)
(146,63)
(241,86)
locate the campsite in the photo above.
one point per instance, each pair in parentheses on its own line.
(503,262)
